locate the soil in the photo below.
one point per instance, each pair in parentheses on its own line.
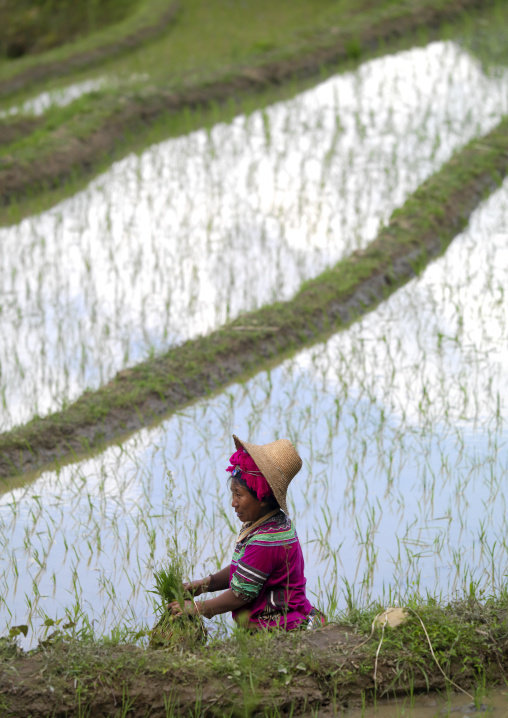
(14,129)
(82,60)
(132,114)
(328,669)
(139,396)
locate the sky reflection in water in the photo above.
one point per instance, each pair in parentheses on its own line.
(400,421)
(162,247)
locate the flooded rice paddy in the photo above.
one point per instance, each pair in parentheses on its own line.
(63,95)
(401,423)
(59,97)
(171,244)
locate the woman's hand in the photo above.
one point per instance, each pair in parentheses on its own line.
(189,608)
(197,587)
(227,601)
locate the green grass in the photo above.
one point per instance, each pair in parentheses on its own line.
(467,637)
(485,36)
(34,27)
(422,228)
(210,33)
(131,114)
(266,672)
(147,20)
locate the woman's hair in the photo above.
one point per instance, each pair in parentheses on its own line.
(271,501)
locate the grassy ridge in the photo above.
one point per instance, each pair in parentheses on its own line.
(31,27)
(146,22)
(421,229)
(214,33)
(75,140)
(268,674)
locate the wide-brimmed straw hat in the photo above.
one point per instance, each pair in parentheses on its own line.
(279,462)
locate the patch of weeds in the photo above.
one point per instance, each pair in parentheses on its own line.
(461,647)
(8,649)
(4,705)
(262,46)
(354,48)
(254,671)
(32,28)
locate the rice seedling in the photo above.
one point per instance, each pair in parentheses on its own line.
(400,419)
(139,262)
(168,584)
(171,629)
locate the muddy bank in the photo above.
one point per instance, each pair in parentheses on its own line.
(45,70)
(330,669)
(136,397)
(15,129)
(70,149)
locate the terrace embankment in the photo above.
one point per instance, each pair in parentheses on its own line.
(330,669)
(420,230)
(81,143)
(133,32)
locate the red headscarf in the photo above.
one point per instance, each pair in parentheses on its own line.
(250,474)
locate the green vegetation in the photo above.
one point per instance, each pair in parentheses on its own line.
(216,53)
(168,583)
(30,27)
(348,663)
(467,637)
(422,228)
(170,629)
(204,70)
(485,37)
(213,34)
(148,20)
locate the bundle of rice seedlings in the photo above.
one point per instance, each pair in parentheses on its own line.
(171,629)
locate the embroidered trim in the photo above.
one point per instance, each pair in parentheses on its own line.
(246,591)
(250,573)
(275,531)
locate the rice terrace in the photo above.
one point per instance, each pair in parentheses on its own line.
(280,221)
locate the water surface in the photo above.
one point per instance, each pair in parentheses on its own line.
(200,228)
(401,424)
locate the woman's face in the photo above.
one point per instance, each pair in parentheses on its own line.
(247,507)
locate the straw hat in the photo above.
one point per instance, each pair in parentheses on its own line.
(278,461)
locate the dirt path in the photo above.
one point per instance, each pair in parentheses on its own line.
(67,151)
(136,397)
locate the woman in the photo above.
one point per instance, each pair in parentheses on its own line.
(264,586)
